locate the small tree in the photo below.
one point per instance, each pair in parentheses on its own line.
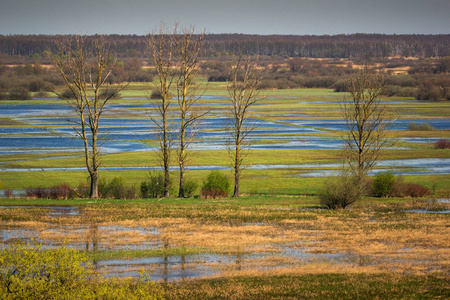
(367,120)
(85,70)
(244,81)
(161,49)
(188,50)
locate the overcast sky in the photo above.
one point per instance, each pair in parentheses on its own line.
(315,17)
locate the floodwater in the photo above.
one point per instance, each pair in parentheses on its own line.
(47,128)
(405,167)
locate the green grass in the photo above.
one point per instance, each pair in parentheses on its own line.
(314,286)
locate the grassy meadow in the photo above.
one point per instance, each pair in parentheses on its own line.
(274,242)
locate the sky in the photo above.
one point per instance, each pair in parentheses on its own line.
(298,17)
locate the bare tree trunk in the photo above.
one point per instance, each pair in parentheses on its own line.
(237,171)
(94,185)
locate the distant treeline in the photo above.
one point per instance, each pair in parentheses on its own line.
(363,46)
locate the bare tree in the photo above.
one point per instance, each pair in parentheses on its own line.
(85,70)
(188,50)
(366,119)
(162,49)
(243,83)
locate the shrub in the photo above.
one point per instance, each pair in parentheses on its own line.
(190,187)
(382,184)
(61,191)
(33,273)
(42,94)
(8,194)
(341,191)
(153,187)
(30,272)
(420,127)
(442,144)
(216,185)
(110,94)
(83,190)
(67,94)
(117,188)
(156,94)
(414,190)
(19,94)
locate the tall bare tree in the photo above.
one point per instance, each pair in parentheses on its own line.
(243,83)
(188,48)
(162,49)
(85,70)
(367,119)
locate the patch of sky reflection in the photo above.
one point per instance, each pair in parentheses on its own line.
(410,167)
(339,124)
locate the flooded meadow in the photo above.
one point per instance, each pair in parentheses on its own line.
(172,242)
(200,238)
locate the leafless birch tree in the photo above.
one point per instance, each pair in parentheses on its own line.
(243,82)
(85,70)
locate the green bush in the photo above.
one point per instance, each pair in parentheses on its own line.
(190,187)
(116,189)
(420,127)
(30,272)
(67,94)
(153,187)
(19,94)
(33,273)
(216,185)
(382,184)
(341,191)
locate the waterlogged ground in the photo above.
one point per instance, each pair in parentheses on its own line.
(129,127)
(298,120)
(215,238)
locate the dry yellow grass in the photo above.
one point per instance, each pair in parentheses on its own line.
(373,239)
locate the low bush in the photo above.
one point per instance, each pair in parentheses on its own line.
(109,94)
(420,126)
(156,94)
(414,190)
(190,187)
(117,189)
(19,94)
(215,186)
(153,187)
(67,94)
(341,191)
(8,193)
(442,144)
(382,184)
(60,191)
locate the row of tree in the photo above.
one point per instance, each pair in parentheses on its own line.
(351,46)
(86,68)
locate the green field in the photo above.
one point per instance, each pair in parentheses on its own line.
(274,242)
